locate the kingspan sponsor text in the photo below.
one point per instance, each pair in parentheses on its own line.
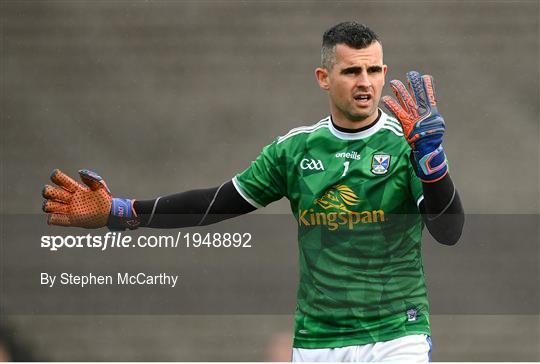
(333,220)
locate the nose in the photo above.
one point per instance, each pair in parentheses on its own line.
(363,80)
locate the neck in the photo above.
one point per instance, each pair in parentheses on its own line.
(346,123)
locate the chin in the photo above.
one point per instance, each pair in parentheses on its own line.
(364,115)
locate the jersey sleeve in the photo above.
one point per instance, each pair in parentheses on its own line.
(264,180)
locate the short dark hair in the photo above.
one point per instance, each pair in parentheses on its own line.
(350,33)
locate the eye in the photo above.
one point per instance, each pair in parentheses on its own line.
(351,71)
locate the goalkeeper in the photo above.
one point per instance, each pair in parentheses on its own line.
(362,294)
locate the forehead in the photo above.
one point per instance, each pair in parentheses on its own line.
(347,56)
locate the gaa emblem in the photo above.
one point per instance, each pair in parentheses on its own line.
(312,164)
(380,163)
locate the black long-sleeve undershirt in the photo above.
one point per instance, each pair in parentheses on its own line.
(193,208)
(441,209)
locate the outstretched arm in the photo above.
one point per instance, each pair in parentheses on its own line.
(193,208)
(91,205)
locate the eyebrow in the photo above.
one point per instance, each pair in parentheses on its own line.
(356,69)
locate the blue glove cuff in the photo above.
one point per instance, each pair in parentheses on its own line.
(122,215)
(431,167)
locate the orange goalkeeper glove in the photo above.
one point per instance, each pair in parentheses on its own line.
(89,206)
(423,126)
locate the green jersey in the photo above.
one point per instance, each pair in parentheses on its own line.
(355,197)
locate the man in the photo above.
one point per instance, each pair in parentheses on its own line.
(361,185)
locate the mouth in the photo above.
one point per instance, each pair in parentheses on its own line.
(362,98)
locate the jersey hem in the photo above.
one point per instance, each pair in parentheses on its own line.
(332,343)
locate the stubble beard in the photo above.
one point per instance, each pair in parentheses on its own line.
(363,115)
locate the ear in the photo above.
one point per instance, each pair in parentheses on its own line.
(322,78)
(385,70)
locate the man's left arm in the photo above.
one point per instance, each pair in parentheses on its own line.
(442,210)
(423,128)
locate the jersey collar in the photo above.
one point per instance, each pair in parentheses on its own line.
(361,134)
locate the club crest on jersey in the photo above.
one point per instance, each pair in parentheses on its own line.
(380,163)
(412,314)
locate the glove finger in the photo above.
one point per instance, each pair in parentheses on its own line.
(58,219)
(430,91)
(56,194)
(65,181)
(396,109)
(403,96)
(93,180)
(416,85)
(56,207)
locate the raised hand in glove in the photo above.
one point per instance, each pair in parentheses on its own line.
(89,206)
(422,124)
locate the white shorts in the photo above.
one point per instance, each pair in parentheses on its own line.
(410,349)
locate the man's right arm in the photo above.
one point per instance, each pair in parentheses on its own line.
(91,205)
(192,208)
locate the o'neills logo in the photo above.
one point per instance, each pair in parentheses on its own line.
(342,199)
(349,155)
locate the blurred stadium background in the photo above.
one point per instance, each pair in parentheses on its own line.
(164,96)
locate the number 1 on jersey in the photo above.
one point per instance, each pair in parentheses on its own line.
(346,168)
